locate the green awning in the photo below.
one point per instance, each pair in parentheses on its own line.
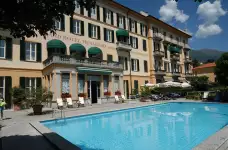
(94,51)
(94,70)
(56,44)
(77,48)
(174,49)
(122,32)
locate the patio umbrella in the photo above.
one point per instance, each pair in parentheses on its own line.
(151,85)
(185,85)
(172,84)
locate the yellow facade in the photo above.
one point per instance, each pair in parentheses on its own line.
(51,73)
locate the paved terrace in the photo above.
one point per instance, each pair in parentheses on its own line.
(18,134)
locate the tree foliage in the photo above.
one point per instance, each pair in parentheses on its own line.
(26,18)
(195,63)
(199,83)
(221,69)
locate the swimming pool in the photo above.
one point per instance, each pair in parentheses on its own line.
(170,126)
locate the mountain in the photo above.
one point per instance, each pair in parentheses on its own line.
(203,55)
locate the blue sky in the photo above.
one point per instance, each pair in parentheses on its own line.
(207,21)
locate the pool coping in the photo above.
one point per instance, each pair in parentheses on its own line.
(217,141)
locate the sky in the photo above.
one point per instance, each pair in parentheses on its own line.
(206,21)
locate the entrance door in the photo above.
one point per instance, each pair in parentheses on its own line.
(94,91)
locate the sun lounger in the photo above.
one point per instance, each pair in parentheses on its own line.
(69,102)
(117,100)
(81,101)
(60,103)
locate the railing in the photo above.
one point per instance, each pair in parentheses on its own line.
(174,41)
(158,36)
(188,60)
(187,74)
(85,62)
(175,57)
(186,47)
(176,73)
(160,72)
(123,45)
(159,53)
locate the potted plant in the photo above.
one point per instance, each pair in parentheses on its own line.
(19,96)
(118,93)
(65,96)
(107,94)
(82,95)
(36,98)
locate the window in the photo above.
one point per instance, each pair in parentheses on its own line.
(108,35)
(145,66)
(109,58)
(146,81)
(93,31)
(93,11)
(178,39)
(2,86)
(2,48)
(30,83)
(133,25)
(156,46)
(171,36)
(166,51)
(155,30)
(77,27)
(65,83)
(124,62)
(121,20)
(77,6)
(164,33)
(184,41)
(136,86)
(106,83)
(58,24)
(135,64)
(134,42)
(30,49)
(143,29)
(144,45)
(108,15)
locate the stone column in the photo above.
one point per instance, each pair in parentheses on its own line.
(112,86)
(102,86)
(86,85)
(58,84)
(73,83)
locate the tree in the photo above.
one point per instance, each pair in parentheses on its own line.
(26,18)
(199,83)
(221,69)
(195,63)
(210,61)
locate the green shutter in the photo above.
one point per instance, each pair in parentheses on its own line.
(132,64)
(81,10)
(63,23)
(126,63)
(89,12)
(146,30)
(136,86)
(138,65)
(71,25)
(22,82)
(98,32)
(137,43)
(105,32)
(141,31)
(98,13)
(22,50)
(131,40)
(130,27)
(124,22)
(38,82)
(39,52)
(113,38)
(104,14)
(144,45)
(82,27)
(117,19)
(136,27)
(9,49)
(8,87)
(112,21)
(109,58)
(89,30)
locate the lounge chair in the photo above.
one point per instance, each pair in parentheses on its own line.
(81,101)
(117,100)
(123,98)
(205,96)
(69,103)
(60,103)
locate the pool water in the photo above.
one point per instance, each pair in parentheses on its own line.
(170,126)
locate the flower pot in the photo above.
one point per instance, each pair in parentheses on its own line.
(16,107)
(37,109)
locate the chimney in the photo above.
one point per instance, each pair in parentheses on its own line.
(144,13)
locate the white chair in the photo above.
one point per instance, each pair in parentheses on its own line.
(59,102)
(123,97)
(205,95)
(69,102)
(117,100)
(81,101)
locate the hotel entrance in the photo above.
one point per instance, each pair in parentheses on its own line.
(94,92)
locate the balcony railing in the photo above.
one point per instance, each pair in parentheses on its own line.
(157,36)
(167,39)
(187,74)
(123,46)
(87,62)
(160,72)
(175,57)
(176,73)
(159,53)
(188,60)
(186,47)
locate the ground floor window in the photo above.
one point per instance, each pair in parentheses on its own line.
(30,83)
(2,86)
(81,84)
(65,83)
(106,83)
(116,83)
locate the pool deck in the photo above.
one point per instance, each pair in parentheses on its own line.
(19,132)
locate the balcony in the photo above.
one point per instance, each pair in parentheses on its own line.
(187,74)
(123,46)
(188,60)
(175,57)
(176,73)
(157,36)
(186,47)
(160,72)
(87,62)
(159,53)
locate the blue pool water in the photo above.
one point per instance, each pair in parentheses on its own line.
(171,126)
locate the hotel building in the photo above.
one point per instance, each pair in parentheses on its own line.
(108,48)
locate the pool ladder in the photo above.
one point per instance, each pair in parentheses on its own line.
(62,114)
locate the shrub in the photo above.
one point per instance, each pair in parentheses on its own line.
(18,95)
(145,91)
(199,83)
(194,95)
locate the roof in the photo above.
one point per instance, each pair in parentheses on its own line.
(208,65)
(153,18)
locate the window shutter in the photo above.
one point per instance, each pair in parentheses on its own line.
(144,45)
(146,30)
(71,25)
(126,63)
(9,49)
(141,31)
(63,23)
(117,19)
(104,14)
(130,27)
(137,43)
(89,30)
(136,27)
(113,38)
(105,33)
(8,87)
(145,66)
(98,13)
(109,58)
(131,40)
(124,22)
(98,32)
(138,65)
(38,82)
(112,22)
(82,27)
(22,50)
(132,64)
(89,12)
(119,58)
(22,82)
(81,10)
(39,52)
